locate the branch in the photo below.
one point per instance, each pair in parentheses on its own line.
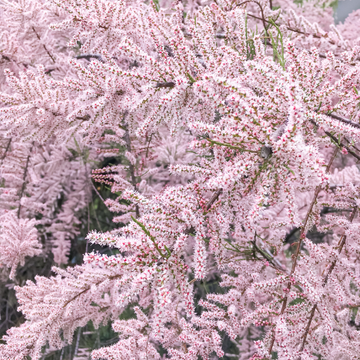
(343,145)
(270,258)
(86,289)
(132,169)
(207,207)
(326,278)
(291,29)
(213,199)
(88,57)
(24,182)
(168,84)
(332,137)
(302,236)
(214,142)
(98,194)
(312,313)
(264,21)
(341,244)
(344,120)
(6,151)
(48,52)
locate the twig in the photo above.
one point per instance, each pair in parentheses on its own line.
(48,52)
(341,144)
(24,182)
(213,199)
(147,232)
(290,28)
(312,313)
(264,21)
(132,169)
(88,57)
(6,151)
(98,194)
(326,278)
(207,207)
(112,277)
(302,236)
(271,259)
(351,144)
(344,120)
(168,84)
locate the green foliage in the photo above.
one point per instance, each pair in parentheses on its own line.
(276,43)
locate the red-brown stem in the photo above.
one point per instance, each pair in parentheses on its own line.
(289,28)
(326,278)
(213,199)
(341,144)
(132,169)
(45,48)
(23,186)
(302,236)
(6,151)
(264,21)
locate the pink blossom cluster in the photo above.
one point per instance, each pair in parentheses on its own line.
(237,126)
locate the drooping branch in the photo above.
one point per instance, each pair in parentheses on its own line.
(262,18)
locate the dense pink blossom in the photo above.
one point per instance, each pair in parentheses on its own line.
(237,126)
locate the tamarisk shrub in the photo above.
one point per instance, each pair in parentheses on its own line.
(229,134)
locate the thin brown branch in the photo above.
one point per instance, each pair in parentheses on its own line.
(290,28)
(264,21)
(326,278)
(302,237)
(341,244)
(312,313)
(6,151)
(213,199)
(341,144)
(344,120)
(24,181)
(352,145)
(168,84)
(207,207)
(98,194)
(113,277)
(45,48)
(132,169)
